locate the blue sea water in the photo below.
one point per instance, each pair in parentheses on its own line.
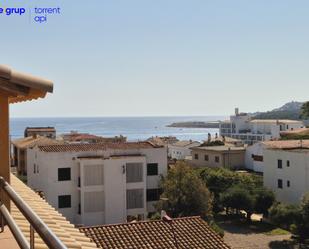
(134,128)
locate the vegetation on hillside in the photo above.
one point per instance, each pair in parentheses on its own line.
(305,110)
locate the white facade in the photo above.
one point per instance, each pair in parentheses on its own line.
(181,149)
(242,126)
(99,182)
(286,172)
(254,159)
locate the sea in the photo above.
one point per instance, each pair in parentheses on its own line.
(134,128)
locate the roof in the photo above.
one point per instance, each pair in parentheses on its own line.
(185,143)
(191,232)
(49,129)
(28,142)
(97,146)
(22,87)
(63,229)
(274,121)
(222,148)
(287,144)
(301,131)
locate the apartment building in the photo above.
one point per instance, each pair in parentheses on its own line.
(244,127)
(286,170)
(181,149)
(218,156)
(48,131)
(93,184)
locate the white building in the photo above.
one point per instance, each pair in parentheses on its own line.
(94,184)
(254,158)
(181,149)
(242,126)
(286,170)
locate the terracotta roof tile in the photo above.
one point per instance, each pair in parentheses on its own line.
(33,141)
(63,229)
(287,144)
(96,146)
(191,232)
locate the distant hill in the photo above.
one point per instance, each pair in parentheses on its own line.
(291,110)
(291,106)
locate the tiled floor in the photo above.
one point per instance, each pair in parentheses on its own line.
(7,240)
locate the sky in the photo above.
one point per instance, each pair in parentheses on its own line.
(160,57)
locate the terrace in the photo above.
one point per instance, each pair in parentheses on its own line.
(27,221)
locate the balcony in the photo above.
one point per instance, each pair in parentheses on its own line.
(63,231)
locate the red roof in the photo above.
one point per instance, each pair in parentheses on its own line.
(191,233)
(97,146)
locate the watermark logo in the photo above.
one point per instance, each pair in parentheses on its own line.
(41,15)
(38,15)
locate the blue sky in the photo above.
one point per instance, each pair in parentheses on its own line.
(161,57)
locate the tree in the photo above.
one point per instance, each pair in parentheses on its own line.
(305,110)
(284,215)
(219,180)
(264,199)
(184,193)
(239,198)
(301,226)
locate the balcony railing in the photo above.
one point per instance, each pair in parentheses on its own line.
(36,224)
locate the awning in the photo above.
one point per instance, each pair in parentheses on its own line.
(21,87)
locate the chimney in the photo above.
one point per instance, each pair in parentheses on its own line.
(216,136)
(209,138)
(236,111)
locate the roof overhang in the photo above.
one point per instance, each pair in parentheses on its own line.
(21,87)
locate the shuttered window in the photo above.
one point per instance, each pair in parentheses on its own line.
(93,175)
(94,201)
(134,172)
(64,174)
(64,201)
(135,198)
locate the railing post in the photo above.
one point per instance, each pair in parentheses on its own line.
(1,220)
(31,237)
(4,146)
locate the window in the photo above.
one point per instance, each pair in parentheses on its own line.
(93,202)
(134,172)
(64,174)
(288,163)
(34,168)
(288,184)
(135,198)
(152,169)
(257,158)
(206,157)
(153,194)
(64,201)
(196,156)
(93,175)
(280,183)
(217,159)
(279,164)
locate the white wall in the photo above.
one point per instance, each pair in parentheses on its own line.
(250,163)
(297,173)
